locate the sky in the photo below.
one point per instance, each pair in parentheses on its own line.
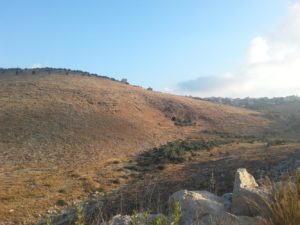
(205,48)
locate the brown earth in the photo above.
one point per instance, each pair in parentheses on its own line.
(61,132)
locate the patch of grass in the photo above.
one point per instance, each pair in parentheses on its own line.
(79,216)
(74,175)
(284,204)
(160,220)
(61,202)
(47,185)
(132,167)
(298,179)
(115,181)
(174,218)
(7,198)
(31,182)
(88,184)
(177,152)
(48,221)
(100,189)
(276,142)
(62,191)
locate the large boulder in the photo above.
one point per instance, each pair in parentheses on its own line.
(205,208)
(248,199)
(197,204)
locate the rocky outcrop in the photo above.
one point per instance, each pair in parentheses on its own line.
(205,208)
(198,204)
(248,199)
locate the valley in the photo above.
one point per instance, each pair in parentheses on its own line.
(70,136)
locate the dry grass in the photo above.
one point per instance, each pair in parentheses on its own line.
(152,192)
(63,131)
(284,204)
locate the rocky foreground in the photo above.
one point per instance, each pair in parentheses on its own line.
(244,206)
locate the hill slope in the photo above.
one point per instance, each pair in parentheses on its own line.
(282,111)
(57,125)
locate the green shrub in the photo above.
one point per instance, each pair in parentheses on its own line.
(61,202)
(173,219)
(177,152)
(160,220)
(62,191)
(100,189)
(298,179)
(176,214)
(48,221)
(134,218)
(79,216)
(275,142)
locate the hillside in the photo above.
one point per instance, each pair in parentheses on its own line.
(61,129)
(282,111)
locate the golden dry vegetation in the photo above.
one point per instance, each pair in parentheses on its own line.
(64,135)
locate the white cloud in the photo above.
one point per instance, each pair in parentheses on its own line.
(258,51)
(271,67)
(35,66)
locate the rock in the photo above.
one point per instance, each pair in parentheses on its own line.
(228,201)
(227,196)
(243,179)
(198,204)
(247,198)
(228,219)
(127,220)
(120,220)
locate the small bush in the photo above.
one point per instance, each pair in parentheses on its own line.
(100,189)
(48,221)
(160,220)
(61,202)
(275,142)
(176,152)
(176,214)
(62,191)
(79,216)
(175,218)
(124,81)
(134,218)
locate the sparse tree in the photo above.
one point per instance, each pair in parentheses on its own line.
(124,80)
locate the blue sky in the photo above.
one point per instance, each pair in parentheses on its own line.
(162,44)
